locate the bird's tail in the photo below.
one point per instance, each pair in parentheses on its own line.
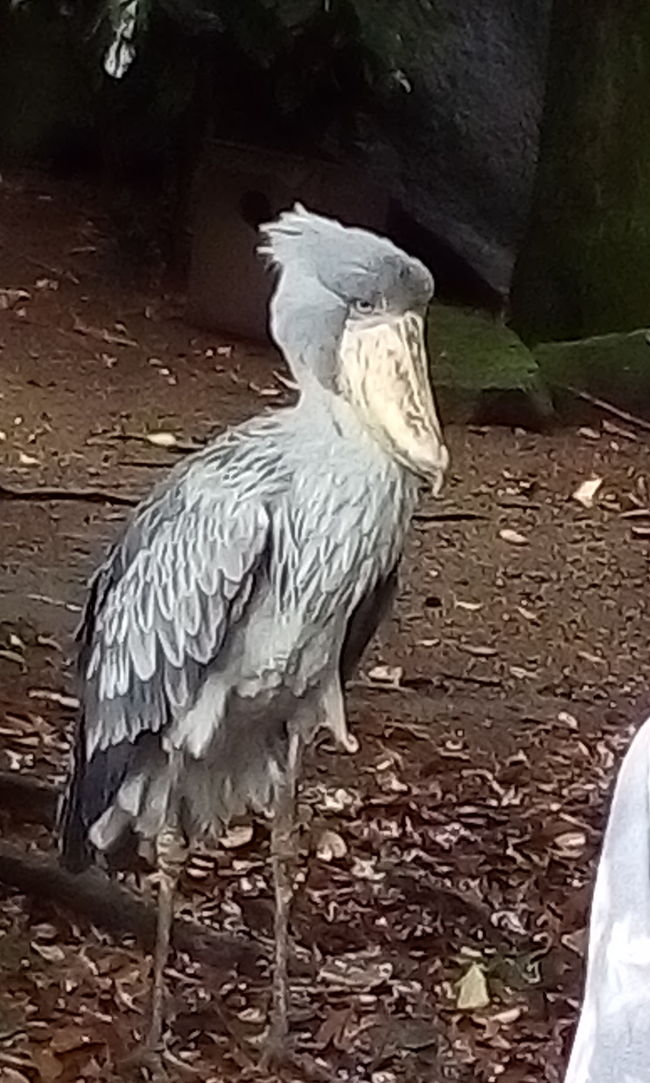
(74,848)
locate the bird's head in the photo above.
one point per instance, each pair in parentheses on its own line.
(348,310)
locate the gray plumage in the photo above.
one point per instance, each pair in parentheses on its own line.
(244,589)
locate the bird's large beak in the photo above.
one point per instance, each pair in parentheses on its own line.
(385,373)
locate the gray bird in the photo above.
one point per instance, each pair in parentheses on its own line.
(220,630)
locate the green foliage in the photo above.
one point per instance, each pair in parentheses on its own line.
(339,51)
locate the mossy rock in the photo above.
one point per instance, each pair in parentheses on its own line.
(482,371)
(614,367)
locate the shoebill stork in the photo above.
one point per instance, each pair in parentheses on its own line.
(220,629)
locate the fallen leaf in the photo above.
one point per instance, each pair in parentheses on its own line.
(364,869)
(267,392)
(570,843)
(331,846)
(591,658)
(576,941)
(507,1016)
(591,434)
(527,614)
(355,971)
(635,513)
(11,297)
(477,651)
(27,460)
(567,720)
(332,1027)
(52,953)
(13,656)
(161,439)
(616,430)
(522,674)
(586,492)
(513,537)
(471,606)
(389,675)
(239,835)
(10,1075)
(49,1067)
(53,697)
(101,334)
(472,990)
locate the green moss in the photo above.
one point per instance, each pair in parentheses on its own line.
(613,367)
(480,368)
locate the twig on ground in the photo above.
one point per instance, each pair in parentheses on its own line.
(609,407)
(94,496)
(105,903)
(449,517)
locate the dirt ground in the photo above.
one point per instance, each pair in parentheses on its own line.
(445,871)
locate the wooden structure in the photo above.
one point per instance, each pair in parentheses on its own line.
(239,187)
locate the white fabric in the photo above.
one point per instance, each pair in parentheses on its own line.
(612,1043)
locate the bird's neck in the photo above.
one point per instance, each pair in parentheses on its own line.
(321,406)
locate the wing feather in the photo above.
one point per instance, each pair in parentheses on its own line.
(167,613)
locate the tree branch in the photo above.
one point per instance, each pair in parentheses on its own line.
(94,496)
(106,903)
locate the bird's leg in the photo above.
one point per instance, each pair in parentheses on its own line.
(171,853)
(334,716)
(282,854)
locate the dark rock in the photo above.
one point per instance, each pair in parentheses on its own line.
(457,141)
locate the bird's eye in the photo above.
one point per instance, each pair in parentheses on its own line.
(363,307)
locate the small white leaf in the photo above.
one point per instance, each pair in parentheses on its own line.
(472,990)
(471,606)
(585,494)
(522,674)
(527,614)
(52,696)
(389,675)
(568,720)
(331,846)
(27,460)
(477,651)
(355,971)
(513,537)
(52,953)
(570,843)
(162,439)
